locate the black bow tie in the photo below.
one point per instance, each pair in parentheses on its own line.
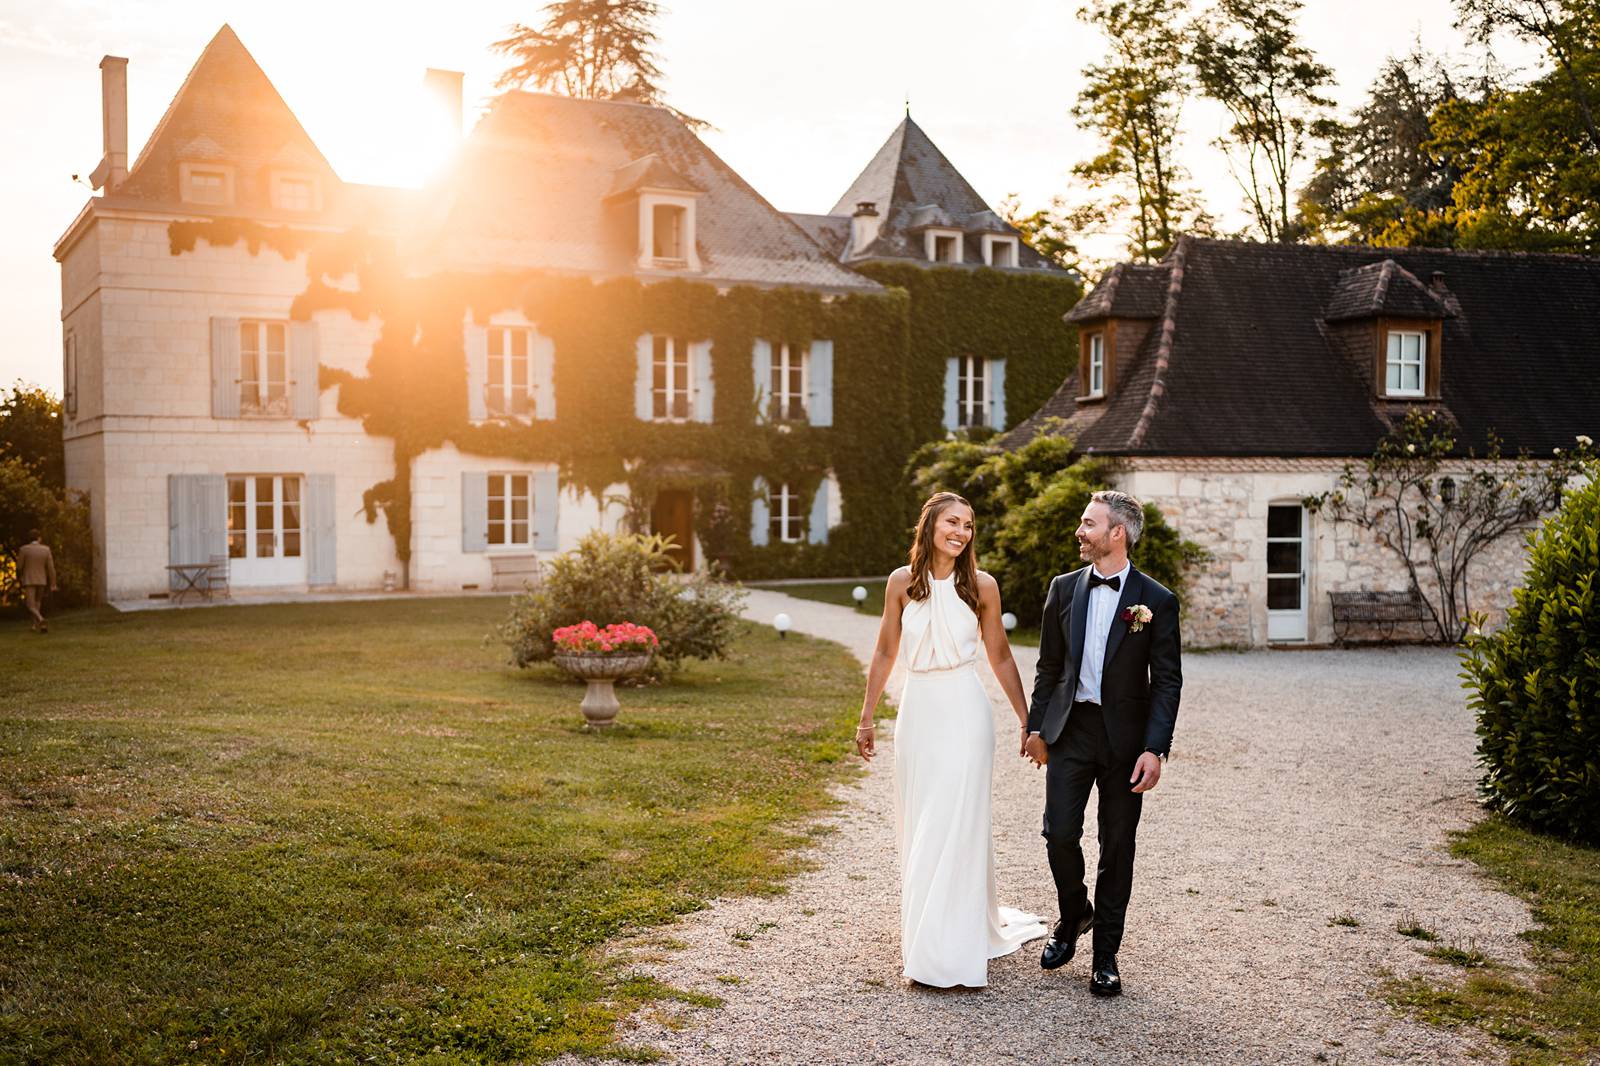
(1095,580)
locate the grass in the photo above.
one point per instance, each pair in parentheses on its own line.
(1345,920)
(350,833)
(1555,1017)
(838,592)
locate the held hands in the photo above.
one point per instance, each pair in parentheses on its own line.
(1034,748)
(1146,772)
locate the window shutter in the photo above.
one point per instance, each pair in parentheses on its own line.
(544,377)
(761,371)
(474,511)
(224,368)
(817,531)
(322,524)
(997,393)
(760,515)
(196,513)
(820,403)
(546,506)
(951,393)
(477,346)
(641,379)
(705,385)
(305,358)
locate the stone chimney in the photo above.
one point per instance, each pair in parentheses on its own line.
(445,86)
(113,166)
(1436,281)
(864,225)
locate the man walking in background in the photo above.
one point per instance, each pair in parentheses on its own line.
(36,568)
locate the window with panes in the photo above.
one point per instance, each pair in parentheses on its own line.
(296,194)
(509,386)
(510,510)
(669,385)
(789,370)
(1405,371)
(972,391)
(263,368)
(667,235)
(207,187)
(785,509)
(263,516)
(1097,364)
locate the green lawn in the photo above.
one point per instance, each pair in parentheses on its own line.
(1556,1017)
(839,592)
(352,833)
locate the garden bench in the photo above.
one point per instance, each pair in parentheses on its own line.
(1380,610)
(509,573)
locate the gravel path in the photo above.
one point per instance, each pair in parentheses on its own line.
(1303,786)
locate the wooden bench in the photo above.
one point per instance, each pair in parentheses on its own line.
(1381,610)
(510,573)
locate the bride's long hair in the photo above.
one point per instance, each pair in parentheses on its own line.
(923,551)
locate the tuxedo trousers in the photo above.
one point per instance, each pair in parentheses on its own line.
(1083,758)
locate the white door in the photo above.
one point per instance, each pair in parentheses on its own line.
(265,536)
(1286,571)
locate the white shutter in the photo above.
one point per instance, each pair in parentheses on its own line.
(546,507)
(322,525)
(817,529)
(305,359)
(704,384)
(544,377)
(952,368)
(761,371)
(760,514)
(197,506)
(477,347)
(819,405)
(474,511)
(644,352)
(997,393)
(224,368)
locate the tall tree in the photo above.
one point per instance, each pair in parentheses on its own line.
(1048,230)
(30,432)
(1248,58)
(590,49)
(1132,100)
(1377,176)
(1569,30)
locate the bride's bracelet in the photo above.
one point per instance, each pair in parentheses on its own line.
(866,728)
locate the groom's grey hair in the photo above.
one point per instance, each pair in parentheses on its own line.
(1126,511)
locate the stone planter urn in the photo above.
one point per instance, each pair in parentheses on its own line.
(601,671)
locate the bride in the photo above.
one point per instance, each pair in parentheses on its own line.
(935,612)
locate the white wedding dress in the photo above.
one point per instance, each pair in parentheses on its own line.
(951,925)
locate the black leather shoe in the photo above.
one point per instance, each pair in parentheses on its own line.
(1105,980)
(1063,943)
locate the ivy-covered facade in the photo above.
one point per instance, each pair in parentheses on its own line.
(593,323)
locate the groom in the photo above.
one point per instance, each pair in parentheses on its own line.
(1104,702)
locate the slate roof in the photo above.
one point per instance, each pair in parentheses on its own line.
(536,186)
(915,186)
(1128,290)
(1243,359)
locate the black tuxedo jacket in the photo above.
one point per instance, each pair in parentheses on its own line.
(1142,675)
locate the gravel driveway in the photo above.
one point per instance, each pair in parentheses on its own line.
(1303,785)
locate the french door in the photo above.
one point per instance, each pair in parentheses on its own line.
(266,535)
(1286,571)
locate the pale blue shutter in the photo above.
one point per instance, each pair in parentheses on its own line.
(224,368)
(476,342)
(644,351)
(820,403)
(197,513)
(322,524)
(997,393)
(546,506)
(305,359)
(951,393)
(817,533)
(705,384)
(544,377)
(761,371)
(760,515)
(474,511)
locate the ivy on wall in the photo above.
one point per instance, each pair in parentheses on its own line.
(415,389)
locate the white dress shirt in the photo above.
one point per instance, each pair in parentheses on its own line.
(1102,612)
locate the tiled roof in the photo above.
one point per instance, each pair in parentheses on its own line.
(1242,360)
(914,186)
(1128,290)
(832,232)
(534,185)
(650,172)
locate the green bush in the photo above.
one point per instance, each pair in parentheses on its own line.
(26,502)
(1535,684)
(624,578)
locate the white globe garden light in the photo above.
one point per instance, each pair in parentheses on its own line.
(1008,620)
(859,594)
(782,623)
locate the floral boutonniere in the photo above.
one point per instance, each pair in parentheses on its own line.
(1136,616)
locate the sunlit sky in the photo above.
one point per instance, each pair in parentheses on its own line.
(802,95)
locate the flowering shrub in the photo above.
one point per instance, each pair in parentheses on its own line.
(586,638)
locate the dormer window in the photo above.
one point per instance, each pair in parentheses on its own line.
(295,192)
(1097,364)
(1405,365)
(944,246)
(205,184)
(1000,251)
(668,227)
(666,232)
(1097,357)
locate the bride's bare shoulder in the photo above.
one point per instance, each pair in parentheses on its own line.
(900,579)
